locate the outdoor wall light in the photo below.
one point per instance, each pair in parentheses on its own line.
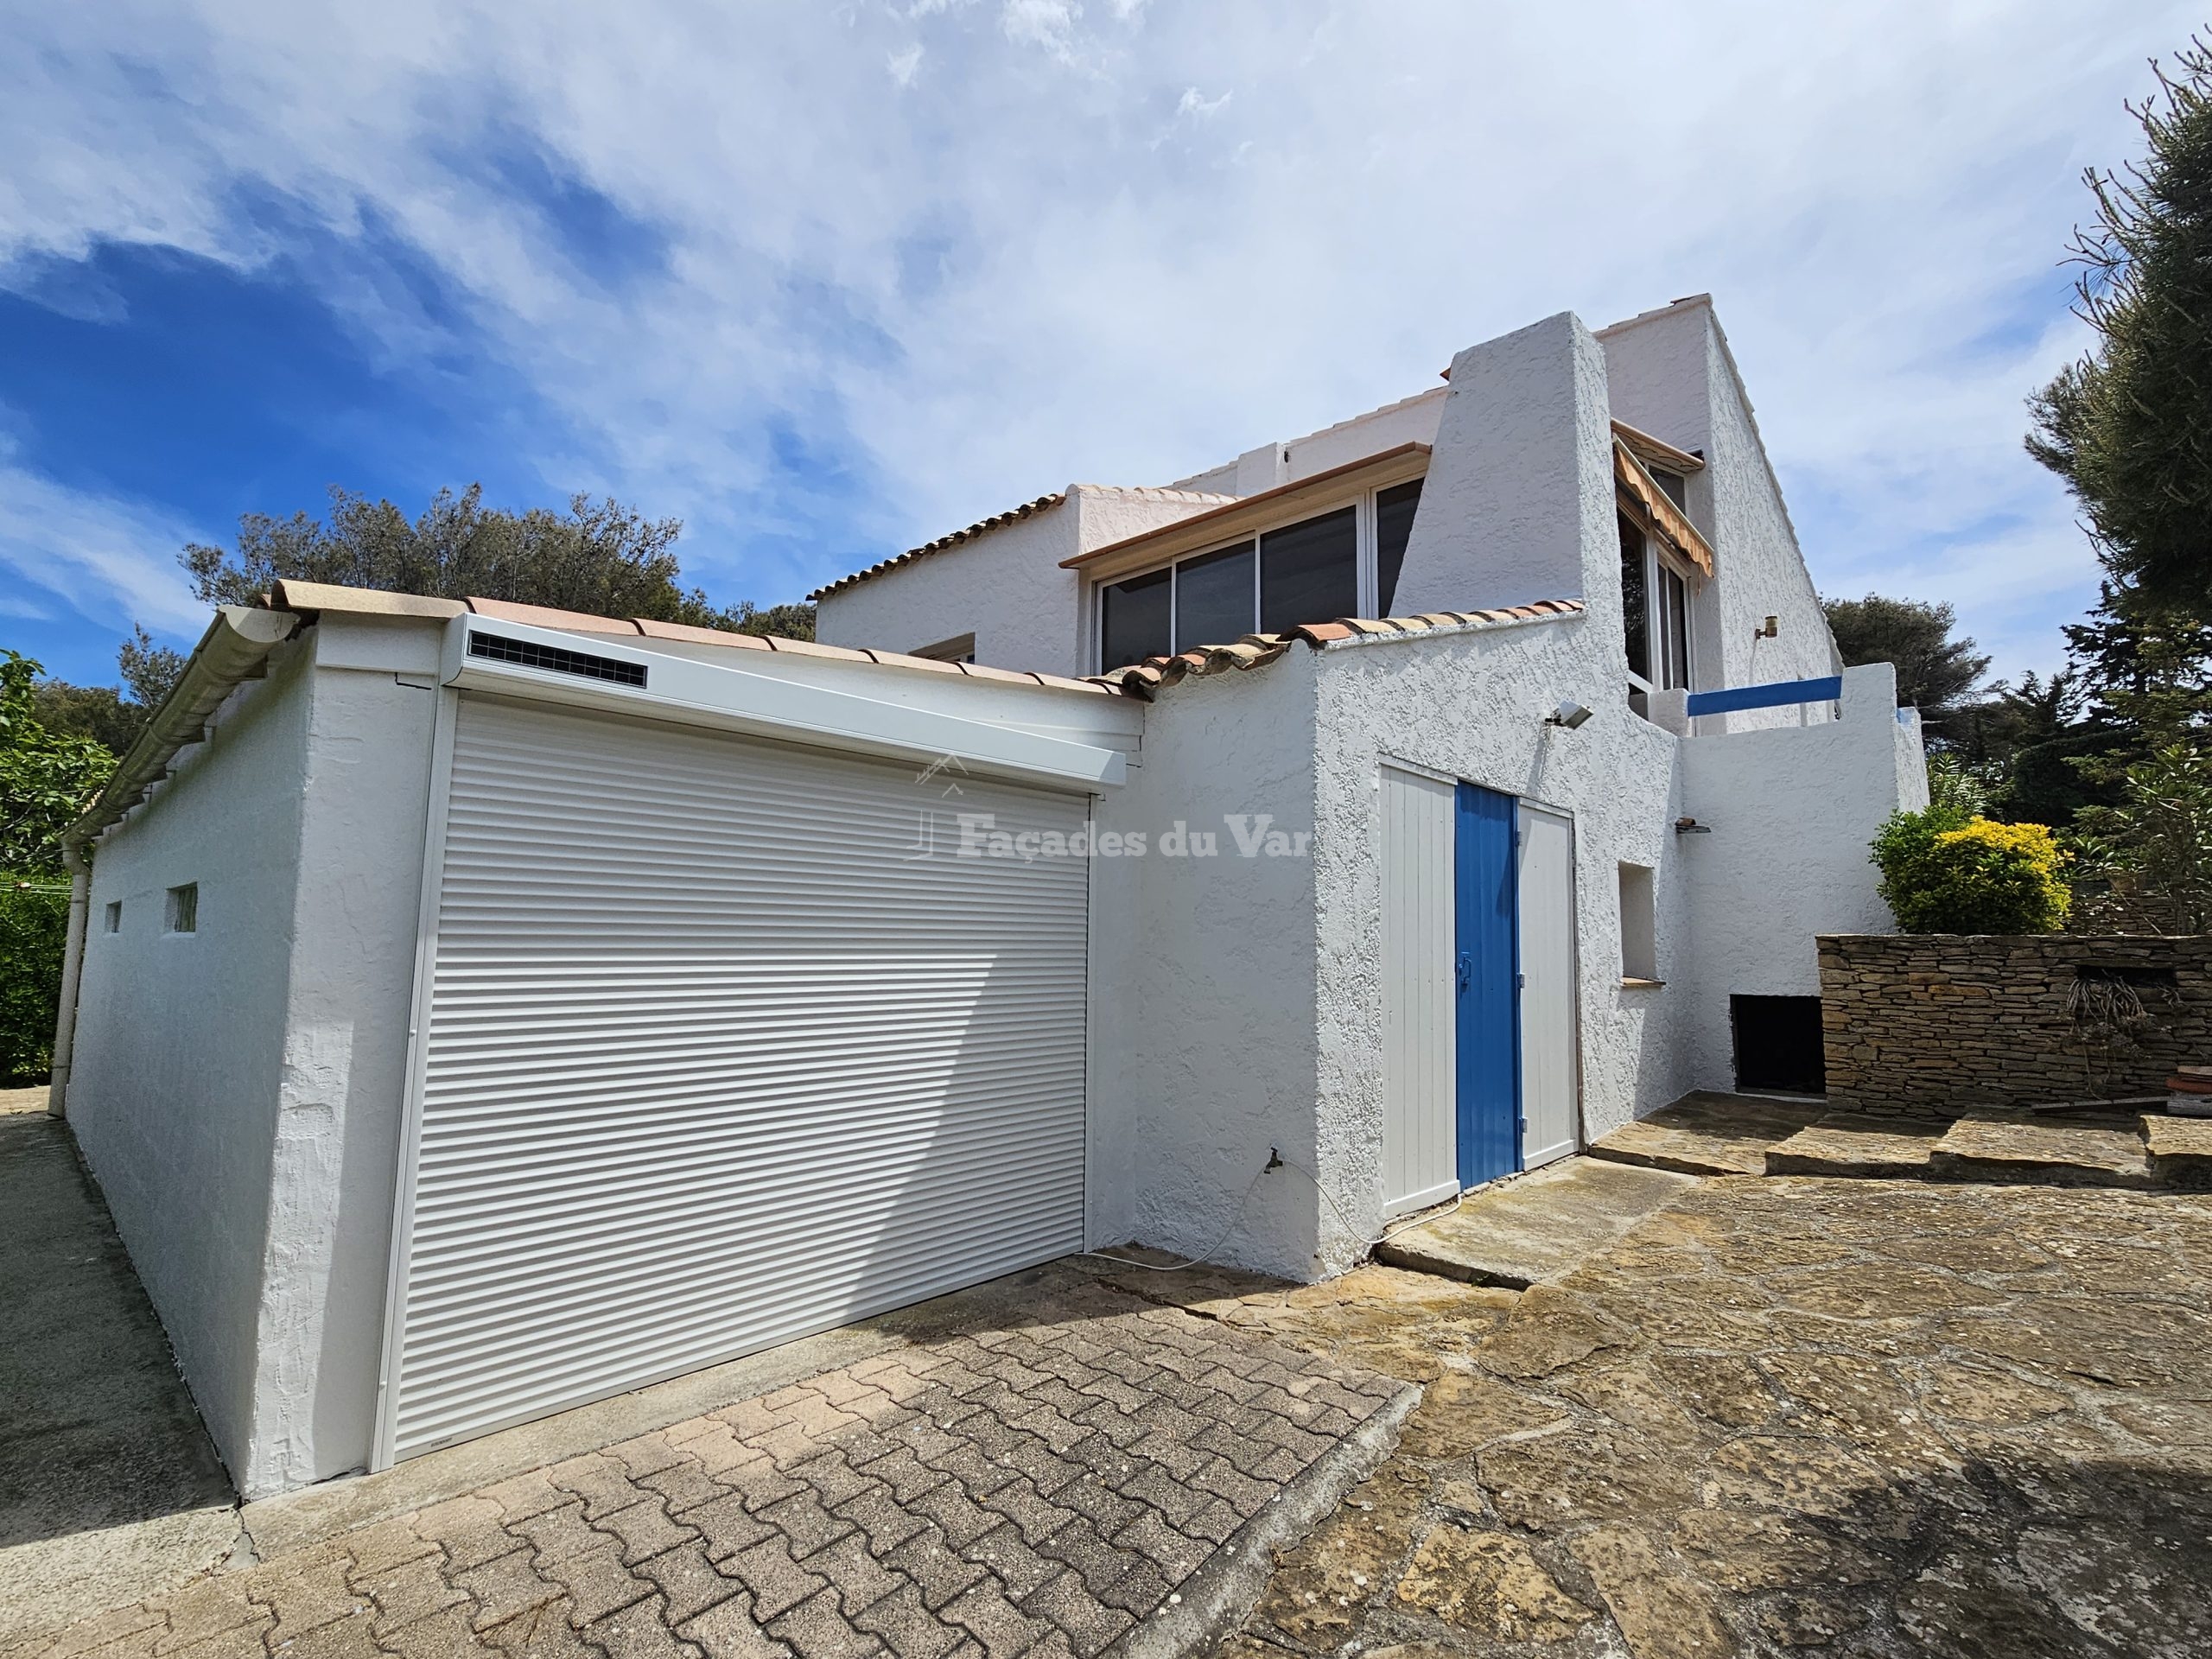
(1692,827)
(1770,629)
(1569,714)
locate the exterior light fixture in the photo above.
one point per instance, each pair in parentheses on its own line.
(1569,714)
(1771,628)
(1692,827)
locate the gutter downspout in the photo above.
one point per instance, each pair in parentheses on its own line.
(72,963)
(235,648)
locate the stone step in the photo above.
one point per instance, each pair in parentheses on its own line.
(1852,1144)
(1704,1133)
(2047,1151)
(1537,1228)
(2178,1149)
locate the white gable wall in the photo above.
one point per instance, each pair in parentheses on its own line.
(1005,586)
(1670,373)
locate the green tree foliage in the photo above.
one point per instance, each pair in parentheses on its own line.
(150,673)
(1936,674)
(100,712)
(1946,871)
(2129,426)
(33,927)
(47,778)
(2147,862)
(598,558)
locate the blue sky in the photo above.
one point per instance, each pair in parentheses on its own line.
(824,281)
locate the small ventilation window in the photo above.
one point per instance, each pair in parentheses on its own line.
(1639,925)
(528,653)
(184,908)
(115,915)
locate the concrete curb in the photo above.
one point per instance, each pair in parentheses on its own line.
(1214,1600)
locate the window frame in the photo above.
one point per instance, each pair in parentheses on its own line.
(181,911)
(1657,561)
(1366,574)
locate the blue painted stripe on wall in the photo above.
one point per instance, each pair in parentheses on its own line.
(1486,899)
(1766,697)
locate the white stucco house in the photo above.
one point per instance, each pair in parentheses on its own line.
(473,1010)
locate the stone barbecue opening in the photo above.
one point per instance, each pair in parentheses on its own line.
(1778,1044)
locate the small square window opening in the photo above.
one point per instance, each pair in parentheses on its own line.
(184,908)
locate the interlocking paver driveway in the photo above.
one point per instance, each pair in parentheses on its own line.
(1030,1486)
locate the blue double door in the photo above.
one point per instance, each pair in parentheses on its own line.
(1486,922)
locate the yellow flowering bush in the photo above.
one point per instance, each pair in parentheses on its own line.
(1945,872)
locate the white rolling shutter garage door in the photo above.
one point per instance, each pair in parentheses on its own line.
(722,1049)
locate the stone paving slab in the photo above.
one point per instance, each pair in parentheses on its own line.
(1537,1228)
(1707,1133)
(2178,1149)
(1044,1466)
(2105,1151)
(1856,1144)
(1901,1419)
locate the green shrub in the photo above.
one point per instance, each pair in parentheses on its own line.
(34,922)
(1944,871)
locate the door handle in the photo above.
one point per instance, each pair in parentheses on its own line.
(1466,969)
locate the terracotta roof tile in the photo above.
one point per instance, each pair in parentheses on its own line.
(983,671)
(1143,680)
(1012,515)
(319,596)
(685,632)
(541,616)
(900,659)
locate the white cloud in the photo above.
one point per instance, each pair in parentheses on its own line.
(997,280)
(1192,103)
(99,556)
(903,65)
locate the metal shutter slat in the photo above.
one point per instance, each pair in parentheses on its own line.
(713,1061)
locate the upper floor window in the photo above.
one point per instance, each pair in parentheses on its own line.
(1655,614)
(1314,570)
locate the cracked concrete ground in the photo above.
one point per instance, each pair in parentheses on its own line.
(1841,1417)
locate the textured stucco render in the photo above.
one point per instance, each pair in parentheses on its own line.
(1671,374)
(1202,986)
(181,1037)
(1006,586)
(1790,812)
(239,1088)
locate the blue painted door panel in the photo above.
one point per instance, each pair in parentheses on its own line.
(1486,896)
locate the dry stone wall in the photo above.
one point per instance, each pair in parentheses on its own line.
(1936,1022)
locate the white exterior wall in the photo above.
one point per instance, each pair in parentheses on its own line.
(238,1089)
(343,1086)
(1670,373)
(1407,701)
(1204,1039)
(1410,420)
(1791,811)
(1520,486)
(1006,586)
(180,1038)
